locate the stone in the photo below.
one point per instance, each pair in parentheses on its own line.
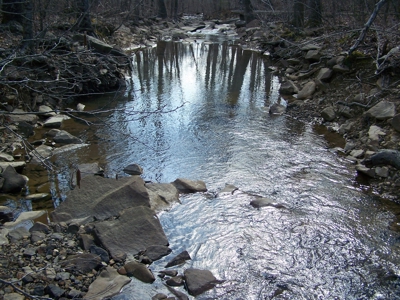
(62,276)
(162,195)
(382,111)
(38,197)
(109,283)
(171,273)
(309,47)
(55,121)
(143,227)
(6,214)
(189,186)
(6,157)
(139,271)
(13,296)
(181,258)
(288,88)
(357,153)
(133,169)
(38,290)
(46,111)
(52,132)
(73,228)
(40,227)
(375,132)
(346,127)
(307,91)
(365,170)
(25,218)
(3,236)
(199,281)
(313,55)
(18,234)
(384,157)
(382,172)
(54,291)
(83,263)
(41,153)
(340,68)
(175,281)
(13,182)
(64,137)
(325,74)
(90,169)
(159,296)
(277,109)
(103,254)
(67,148)
(37,236)
(396,122)
(156,252)
(29,252)
(328,114)
(102,198)
(263,202)
(17,165)
(19,115)
(86,241)
(229,188)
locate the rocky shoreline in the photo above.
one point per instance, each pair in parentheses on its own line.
(65,259)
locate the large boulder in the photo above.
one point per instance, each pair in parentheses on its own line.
(162,195)
(307,91)
(382,111)
(102,198)
(13,182)
(139,271)
(199,281)
(135,230)
(107,284)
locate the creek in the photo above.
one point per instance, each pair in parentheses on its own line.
(199,110)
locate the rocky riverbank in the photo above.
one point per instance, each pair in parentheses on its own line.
(320,84)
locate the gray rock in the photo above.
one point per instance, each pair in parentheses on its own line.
(109,283)
(325,74)
(264,202)
(382,172)
(3,236)
(307,91)
(346,127)
(199,281)
(40,227)
(375,132)
(310,47)
(86,241)
(54,291)
(133,169)
(64,137)
(365,170)
(13,182)
(102,198)
(17,165)
(328,114)
(382,111)
(90,169)
(41,153)
(396,122)
(313,55)
(55,121)
(6,214)
(20,115)
(38,197)
(25,218)
(29,252)
(62,276)
(189,186)
(6,157)
(143,227)
(47,111)
(37,236)
(179,259)
(171,273)
(175,281)
(13,296)
(18,234)
(162,195)
(288,88)
(139,271)
(83,263)
(52,132)
(384,157)
(156,252)
(277,109)
(103,254)
(340,68)
(357,153)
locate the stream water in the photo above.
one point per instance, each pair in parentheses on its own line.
(199,110)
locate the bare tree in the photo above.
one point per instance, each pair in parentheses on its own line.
(298,13)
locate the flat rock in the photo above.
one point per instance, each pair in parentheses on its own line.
(55,121)
(133,169)
(136,229)
(189,186)
(83,263)
(13,296)
(109,283)
(102,198)
(139,271)
(22,116)
(162,195)
(67,148)
(155,252)
(3,236)
(382,111)
(47,111)
(309,47)
(41,152)
(199,281)
(17,165)
(25,218)
(263,202)
(18,234)
(6,157)
(64,137)
(307,91)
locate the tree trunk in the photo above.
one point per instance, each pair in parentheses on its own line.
(315,18)
(27,23)
(248,11)
(84,23)
(162,9)
(298,13)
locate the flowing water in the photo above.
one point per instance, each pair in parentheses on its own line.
(199,110)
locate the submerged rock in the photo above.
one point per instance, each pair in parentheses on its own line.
(179,259)
(263,202)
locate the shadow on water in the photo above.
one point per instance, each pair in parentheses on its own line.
(199,110)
